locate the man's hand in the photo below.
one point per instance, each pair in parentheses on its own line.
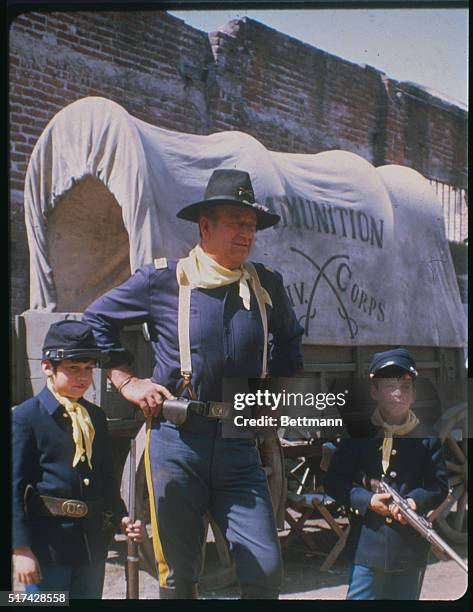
(142,392)
(146,394)
(379,503)
(135,531)
(396,514)
(27,569)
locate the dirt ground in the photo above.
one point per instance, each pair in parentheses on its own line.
(444,580)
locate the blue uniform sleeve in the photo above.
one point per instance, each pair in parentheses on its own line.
(285,354)
(23,446)
(127,304)
(339,480)
(434,488)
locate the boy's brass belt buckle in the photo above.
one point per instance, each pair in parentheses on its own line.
(75,508)
(46,505)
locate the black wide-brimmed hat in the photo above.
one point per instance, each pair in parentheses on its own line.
(69,339)
(230,187)
(398,357)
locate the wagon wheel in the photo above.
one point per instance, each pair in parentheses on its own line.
(272,458)
(453,431)
(273,463)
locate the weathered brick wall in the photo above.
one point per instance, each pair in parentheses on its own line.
(289,95)
(151,63)
(294,97)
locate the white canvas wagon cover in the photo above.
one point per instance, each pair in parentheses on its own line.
(362,249)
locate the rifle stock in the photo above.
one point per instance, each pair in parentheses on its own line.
(132,559)
(422,525)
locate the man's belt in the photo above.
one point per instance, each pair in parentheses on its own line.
(45,505)
(178,410)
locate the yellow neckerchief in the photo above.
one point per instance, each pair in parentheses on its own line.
(82,429)
(199,270)
(389,430)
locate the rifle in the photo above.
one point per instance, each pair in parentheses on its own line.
(132,559)
(421,525)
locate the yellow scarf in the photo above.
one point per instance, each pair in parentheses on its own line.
(200,270)
(82,427)
(389,430)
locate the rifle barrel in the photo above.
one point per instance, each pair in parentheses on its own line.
(423,527)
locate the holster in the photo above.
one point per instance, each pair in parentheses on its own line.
(177,410)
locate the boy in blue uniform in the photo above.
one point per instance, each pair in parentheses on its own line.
(66,502)
(390,557)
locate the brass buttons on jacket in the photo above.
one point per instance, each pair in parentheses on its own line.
(389,520)
(86,481)
(394,452)
(393,474)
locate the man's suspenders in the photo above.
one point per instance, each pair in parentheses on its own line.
(183,322)
(258,291)
(183,326)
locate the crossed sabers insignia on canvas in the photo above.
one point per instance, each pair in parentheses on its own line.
(342,311)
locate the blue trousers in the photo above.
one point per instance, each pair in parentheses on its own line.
(371,583)
(82,581)
(195,469)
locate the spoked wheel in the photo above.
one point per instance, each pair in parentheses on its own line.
(453,431)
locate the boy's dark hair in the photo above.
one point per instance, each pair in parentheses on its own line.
(56,362)
(393,371)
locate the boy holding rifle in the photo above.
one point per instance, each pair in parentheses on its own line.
(390,557)
(66,501)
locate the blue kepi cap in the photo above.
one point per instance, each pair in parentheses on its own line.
(399,357)
(69,339)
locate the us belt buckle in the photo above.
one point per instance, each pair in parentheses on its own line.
(74,508)
(217,409)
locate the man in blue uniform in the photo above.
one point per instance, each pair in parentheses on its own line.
(66,501)
(390,557)
(210,316)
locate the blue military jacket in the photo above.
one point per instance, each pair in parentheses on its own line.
(226,339)
(416,469)
(43,449)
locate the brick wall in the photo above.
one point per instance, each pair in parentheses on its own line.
(289,95)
